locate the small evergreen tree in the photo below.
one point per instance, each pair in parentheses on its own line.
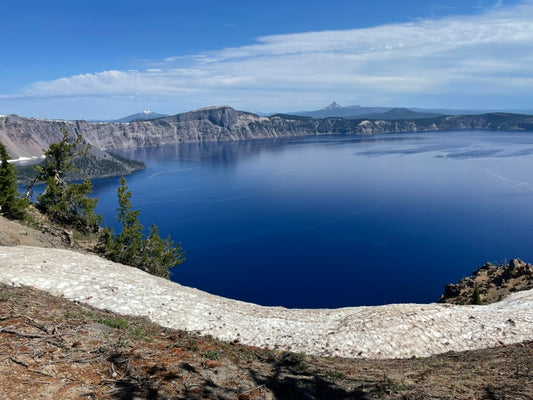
(159,254)
(476,297)
(129,242)
(151,253)
(67,203)
(11,205)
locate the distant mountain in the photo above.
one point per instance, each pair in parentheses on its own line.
(355,112)
(332,106)
(454,111)
(26,137)
(398,113)
(142,116)
(335,110)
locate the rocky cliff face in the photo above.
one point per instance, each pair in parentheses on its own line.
(25,137)
(491,282)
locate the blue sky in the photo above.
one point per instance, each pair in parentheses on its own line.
(106,59)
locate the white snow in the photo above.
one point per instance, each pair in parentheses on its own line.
(390,331)
(22,159)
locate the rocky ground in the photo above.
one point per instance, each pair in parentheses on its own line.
(54,348)
(51,348)
(490,283)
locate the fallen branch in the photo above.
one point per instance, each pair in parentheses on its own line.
(18,362)
(258,388)
(35,371)
(22,334)
(35,324)
(41,373)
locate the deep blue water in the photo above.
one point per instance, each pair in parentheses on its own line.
(337,221)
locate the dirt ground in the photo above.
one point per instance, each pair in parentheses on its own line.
(39,231)
(51,348)
(13,234)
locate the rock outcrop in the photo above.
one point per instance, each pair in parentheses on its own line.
(490,283)
(26,137)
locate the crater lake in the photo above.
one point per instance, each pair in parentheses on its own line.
(334,221)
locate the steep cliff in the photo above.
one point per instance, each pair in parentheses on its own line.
(25,137)
(490,283)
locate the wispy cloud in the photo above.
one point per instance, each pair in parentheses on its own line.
(470,57)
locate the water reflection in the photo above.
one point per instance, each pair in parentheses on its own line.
(228,153)
(337,221)
(223,154)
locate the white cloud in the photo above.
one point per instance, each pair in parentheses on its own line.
(491,53)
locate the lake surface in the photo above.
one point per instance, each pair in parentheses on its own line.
(337,221)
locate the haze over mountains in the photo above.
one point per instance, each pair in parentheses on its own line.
(356,111)
(336,110)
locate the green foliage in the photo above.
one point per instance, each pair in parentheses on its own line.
(102,164)
(59,158)
(66,203)
(161,254)
(130,240)
(128,244)
(11,205)
(117,322)
(131,247)
(335,374)
(99,164)
(212,355)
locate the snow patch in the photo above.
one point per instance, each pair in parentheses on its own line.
(25,159)
(390,331)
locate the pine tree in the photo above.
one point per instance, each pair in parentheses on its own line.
(160,255)
(11,205)
(129,242)
(66,203)
(151,253)
(476,297)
